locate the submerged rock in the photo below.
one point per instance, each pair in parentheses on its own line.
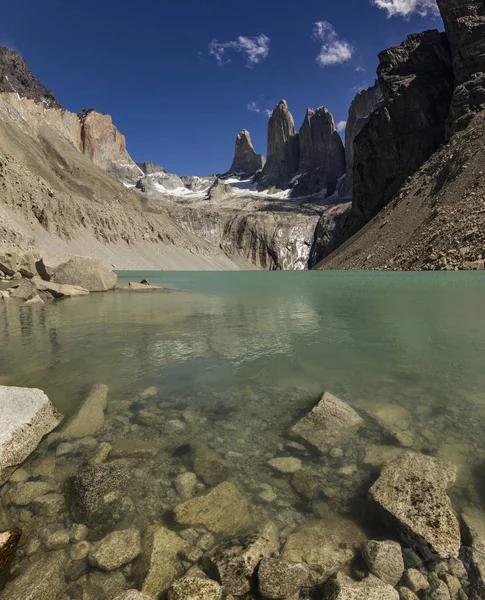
(208,465)
(195,588)
(97,494)
(325,545)
(370,588)
(42,580)
(90,417)
(159,565)
(222,510)
(9,540)
(26,416)
(133,595)
(279,579)
(328,424)
(384,560)
(286,464)
(115,550)
(84,271)
(412,493)
(235,561)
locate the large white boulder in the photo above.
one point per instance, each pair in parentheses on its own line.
(26,416)
(84,271)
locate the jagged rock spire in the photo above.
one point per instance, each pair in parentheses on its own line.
(321,146)
(246,162)
(283,148)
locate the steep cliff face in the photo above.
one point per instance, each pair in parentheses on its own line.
(15,76)
(416,80)
(465,25)
(106,147)
(246,162)
(283,149)
(322,154)
(364,104)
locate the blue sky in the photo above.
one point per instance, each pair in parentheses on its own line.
(150,65)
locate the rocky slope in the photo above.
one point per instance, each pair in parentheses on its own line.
(56,200)
(15,76)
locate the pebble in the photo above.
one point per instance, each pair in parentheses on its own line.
(336,452)
(80,551)
(19,476)
(64,449)
(286,464)
(57,540)
(267,496)
(79,533)
(185,485)
(174,426)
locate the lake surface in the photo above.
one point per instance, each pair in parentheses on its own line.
(232,360)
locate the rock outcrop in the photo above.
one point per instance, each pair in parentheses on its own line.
(364,104)
(106,147)
(322,154)
(283,150)
(26,416)
(246,162)
(465,25)
(157,180)
(15,76)
(416,80)
(83,271)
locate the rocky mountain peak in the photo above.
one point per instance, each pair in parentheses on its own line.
(15,76)
(246,162)
(150,168)
(283,148)
(321,147)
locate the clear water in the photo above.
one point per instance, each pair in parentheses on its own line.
(239,357)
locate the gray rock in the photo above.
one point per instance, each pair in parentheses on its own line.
(437,591)
(41,580)
(97,494)
(235,560)
(246,162)
(406,594)
(133,595)
(279,579)
(90,416)
(48,505)
(83,271)
(115,550)
(28,492)
(32,289)
(286,464)
(329,423)
(283,149)
(80,551)
(384,560)
(9,541)
(195,588)
(412,494)
(325,545)
(79,533)
(185,485)
(26,416)
(57,540)
(159,565)
(370,588)
(104,586)
(415,580)
(223,510)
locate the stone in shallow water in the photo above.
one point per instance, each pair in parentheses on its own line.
(309,483)
(222,510)
(325,545)
(9,541)
(29,491)
(384,560)
(415,580)
(195,588)
(393,420)
(208,465)
(42,580)
(185,484)
(159,565)
(370,588)
(328,424)
(90,417)
(279,579)
(57,540)
(133,448)
(376,455)
(286,464)
(26,416)
(235,560)
(412,493)
(88,272)
(115,550)
(133,595)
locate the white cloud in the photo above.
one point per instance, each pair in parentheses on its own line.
(341,125)
(256,49)
(334,51)
(253,107)
(360,69)
(407,8)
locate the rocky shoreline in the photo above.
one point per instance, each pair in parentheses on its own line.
(138,498)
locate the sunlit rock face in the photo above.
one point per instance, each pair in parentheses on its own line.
(246,162)
(465,25)
(106,147)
